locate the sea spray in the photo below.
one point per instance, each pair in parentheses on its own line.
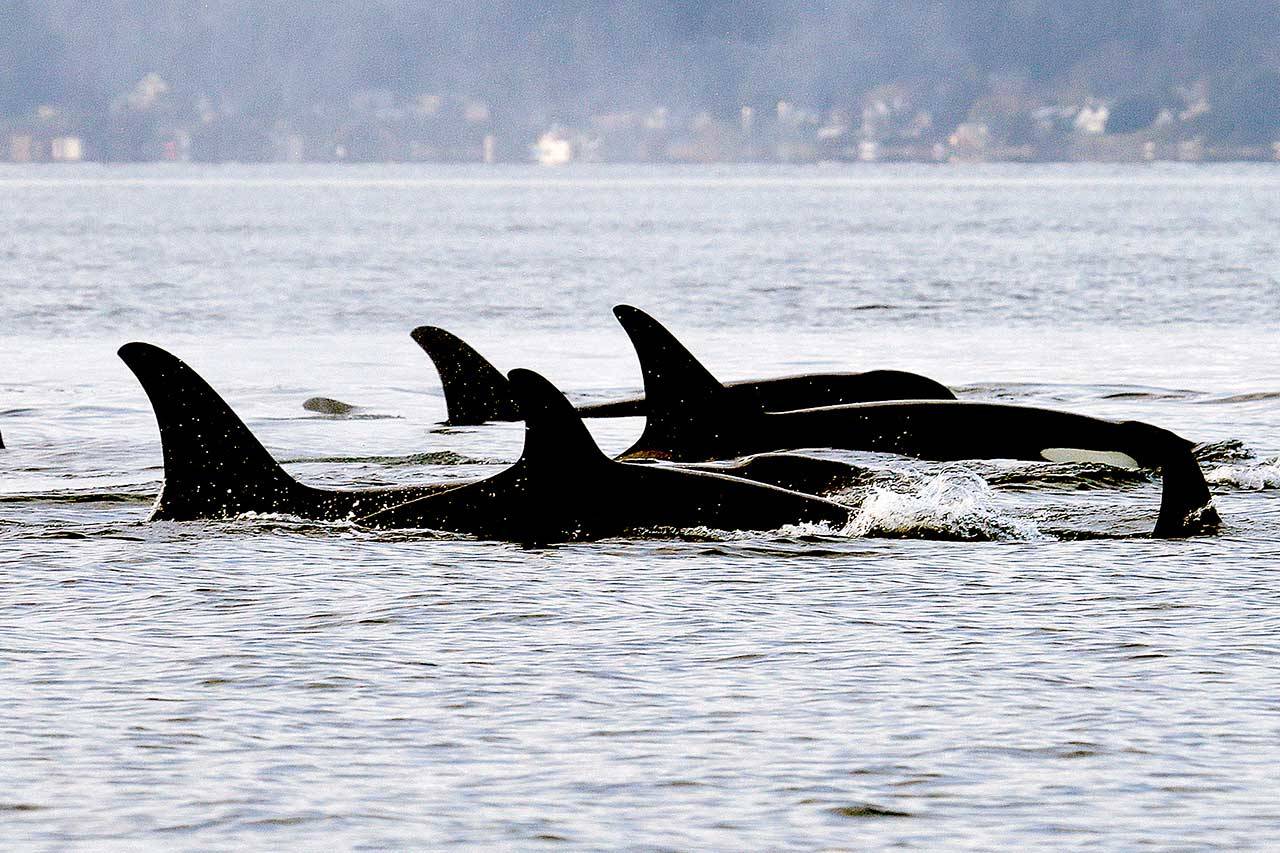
(1255,477)
(955,504)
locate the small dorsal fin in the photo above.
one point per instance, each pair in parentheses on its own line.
(213,464)
(685,404)
(553,431)
(474,390)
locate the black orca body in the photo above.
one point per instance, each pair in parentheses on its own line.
(214,467)
(475,391)
(794,471)
(563,487)
(692,417)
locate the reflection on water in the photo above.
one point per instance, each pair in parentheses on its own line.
(264,681)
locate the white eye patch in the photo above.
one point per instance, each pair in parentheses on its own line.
(1076,454)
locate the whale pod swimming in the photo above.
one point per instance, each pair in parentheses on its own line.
(216,468)
(693,417)
(475,391)
(564,487)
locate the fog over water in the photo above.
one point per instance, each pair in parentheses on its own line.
(989,656)
(233,79)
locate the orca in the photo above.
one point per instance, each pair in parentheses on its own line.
(564,488)
(475,391)
(693,417)
(214,467)
(794,471)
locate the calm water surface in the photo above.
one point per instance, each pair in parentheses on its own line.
(1000,677)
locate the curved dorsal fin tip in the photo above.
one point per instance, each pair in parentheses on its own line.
(632,318)
(426,335)
(135,349)
(622,310)
(474,390)
(553,430)
(535,393)
(208,451)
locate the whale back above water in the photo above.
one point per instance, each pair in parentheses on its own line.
(563,487)
(214,466)
(693,419)
(475,391)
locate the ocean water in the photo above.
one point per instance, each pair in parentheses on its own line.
(991,655)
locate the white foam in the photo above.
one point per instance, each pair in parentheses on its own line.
(952,505)
(1256,477)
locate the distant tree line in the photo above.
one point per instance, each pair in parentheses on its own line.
(562,61)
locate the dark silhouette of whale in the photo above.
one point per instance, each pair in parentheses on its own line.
(475,391)
(563,487)
(216,468)
(693,417)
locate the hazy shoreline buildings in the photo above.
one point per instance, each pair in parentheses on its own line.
(153,123)
(665,81)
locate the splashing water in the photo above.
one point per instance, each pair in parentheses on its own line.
(1256,477)
(955,504)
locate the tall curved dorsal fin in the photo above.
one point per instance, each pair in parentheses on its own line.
(685,404)
(534,499)
(474,390)
(213,464)
(554,433)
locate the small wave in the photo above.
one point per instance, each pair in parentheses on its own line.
(1069,475)
(954,505)
(1255,477)
(353,416)
(283,521)
(702,533)
(81,497)
(1231,450)
(1064,392)
(1252,397)
(439,457)
(867,810)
